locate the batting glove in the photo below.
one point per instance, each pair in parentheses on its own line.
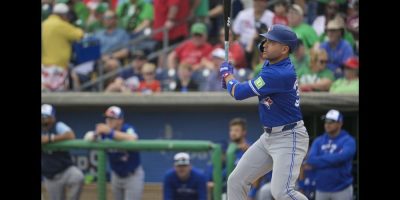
(225,69)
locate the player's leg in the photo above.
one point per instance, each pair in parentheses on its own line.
(265,192)
(116,185)
(55,188)
(134,185)
(322,195)
(74,181)
(254,163)
(346,194)
(288,150)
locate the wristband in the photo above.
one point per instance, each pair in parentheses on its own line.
(112,134)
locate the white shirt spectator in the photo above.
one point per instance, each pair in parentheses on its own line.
(244,24)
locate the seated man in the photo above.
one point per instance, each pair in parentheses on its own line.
(112,41)
(349,83)
(193,50)
(315,77)
(184,181)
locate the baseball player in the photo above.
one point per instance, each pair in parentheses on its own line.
(57,168)
(127,177)
(184,182)
(284,143)
(331,156)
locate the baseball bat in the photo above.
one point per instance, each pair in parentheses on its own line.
(227,24)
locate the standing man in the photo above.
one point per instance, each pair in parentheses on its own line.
(127,178)
(284,143)
(331,157)
(184,181)
(57,168)
(57,37)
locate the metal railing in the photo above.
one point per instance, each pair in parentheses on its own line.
(144,145)
(102,77)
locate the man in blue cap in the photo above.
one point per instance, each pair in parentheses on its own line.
(57,167)
(284,143)
(331,156)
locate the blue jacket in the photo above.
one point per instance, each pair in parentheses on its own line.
(123,163)
(332,160)
(195,188)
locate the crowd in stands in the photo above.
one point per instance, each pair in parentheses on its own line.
(123,43)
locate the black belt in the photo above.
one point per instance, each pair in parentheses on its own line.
(285,128)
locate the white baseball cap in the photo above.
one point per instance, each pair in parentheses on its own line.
(48,110)
(114,112)
(219,53)
(60,8)
(333,115)
(181,158)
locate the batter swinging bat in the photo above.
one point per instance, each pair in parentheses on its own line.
(227,25)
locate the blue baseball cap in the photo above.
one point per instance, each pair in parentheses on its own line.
(114,112)
(333,116)
(48,111)
(282,34)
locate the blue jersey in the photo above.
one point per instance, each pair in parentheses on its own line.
(308,184)
(195,188)
(277,91)
(124,163)
(332,158)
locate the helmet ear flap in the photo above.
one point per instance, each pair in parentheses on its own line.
(261,46)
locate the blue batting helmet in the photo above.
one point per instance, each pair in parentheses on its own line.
(282,34)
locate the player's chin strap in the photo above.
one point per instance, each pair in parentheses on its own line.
(230,85)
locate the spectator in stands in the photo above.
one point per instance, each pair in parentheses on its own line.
(184,181)
(331,12)
(315,77)
(94,21)
(199,11)
(331,156)
(349,83)
(212,80)
(280,11)
(149,84)
(303,31)
(129,78)
(113,41)
(171,15)
(57,35)
(338,49)
(185,82)
(193,50)
(301,56)
(236,51)
(352,22)
(245,23)
(47,7)
(215,15)
(57,167)
(135,15)
(127,175)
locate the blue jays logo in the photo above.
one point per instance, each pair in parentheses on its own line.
(268,102)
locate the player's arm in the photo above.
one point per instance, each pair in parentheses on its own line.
(347,153)
(129,135)
(63,132)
